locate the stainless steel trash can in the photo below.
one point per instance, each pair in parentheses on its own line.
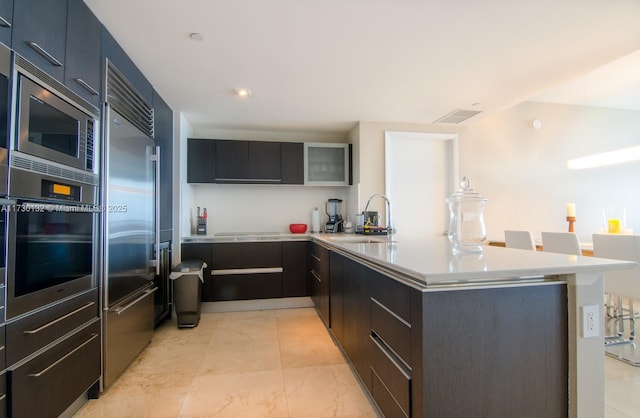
(187,281)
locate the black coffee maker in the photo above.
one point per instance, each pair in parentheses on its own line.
(335,222)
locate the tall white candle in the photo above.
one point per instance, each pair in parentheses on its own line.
(571,210)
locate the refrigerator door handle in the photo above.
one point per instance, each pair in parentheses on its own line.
(156,261)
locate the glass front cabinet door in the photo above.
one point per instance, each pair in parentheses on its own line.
(327,164)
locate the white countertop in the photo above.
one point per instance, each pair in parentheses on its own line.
(431,264)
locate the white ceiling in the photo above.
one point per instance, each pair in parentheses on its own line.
(321,66)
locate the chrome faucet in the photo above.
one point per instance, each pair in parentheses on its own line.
(390,229)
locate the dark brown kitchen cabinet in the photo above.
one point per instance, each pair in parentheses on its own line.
(48,383)
(247,162)
(336,295)
(319,279)
(4,397)
(39,34)
(292,162)
(163,135)
(112,51)
(6,21)
(82,57)
(201,160)
(415,364)
(294,263)
(357,318)
(247,270)
(231,161)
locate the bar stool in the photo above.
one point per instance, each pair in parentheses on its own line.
(621,284)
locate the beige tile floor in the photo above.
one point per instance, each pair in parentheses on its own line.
(271,363)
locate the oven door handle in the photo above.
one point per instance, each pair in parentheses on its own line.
(62,318)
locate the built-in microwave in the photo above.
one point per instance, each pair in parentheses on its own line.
(52,128)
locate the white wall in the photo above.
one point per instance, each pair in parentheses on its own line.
(524,175)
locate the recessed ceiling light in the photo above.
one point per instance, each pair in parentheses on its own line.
(196,37)
(242,92)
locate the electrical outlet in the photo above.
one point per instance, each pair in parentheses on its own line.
(590,321)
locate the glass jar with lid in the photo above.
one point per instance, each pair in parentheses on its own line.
(467,231)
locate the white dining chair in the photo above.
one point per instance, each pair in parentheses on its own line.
(519,239)
(621,284)
(561,242)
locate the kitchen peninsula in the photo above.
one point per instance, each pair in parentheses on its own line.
(434,333)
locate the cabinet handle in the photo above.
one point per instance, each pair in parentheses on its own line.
(86,86)
(1,347)
(316,257)
(3,396)
(316,275)
(249,180)
(119,310)
(55,321)
(4,23)
(391,356)
(390,312)
(231,272)
(44,53)
(63,358)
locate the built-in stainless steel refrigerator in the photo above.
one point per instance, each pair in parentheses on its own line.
(130,222)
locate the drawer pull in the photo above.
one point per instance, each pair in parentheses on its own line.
(316,257)
(390,312)
(231,272)
(4,22)
(86,86)
(1,347)
(62,318)
(3,396)
(392,356)
(44,53)
(316,276)
(119,310)
(63,358)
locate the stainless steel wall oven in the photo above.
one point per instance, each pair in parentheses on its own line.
(51,245)
(53,180)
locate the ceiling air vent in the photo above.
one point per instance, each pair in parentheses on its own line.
(457,116)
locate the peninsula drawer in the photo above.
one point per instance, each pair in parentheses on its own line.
(383,398)
(393,330)
(393,295)
(32,332)
(48,383)
(237,255)
(394,377)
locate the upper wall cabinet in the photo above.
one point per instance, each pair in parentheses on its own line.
(39,29)
(82,58)
(113,51)
(247,162)
(200,160)
(292,162)
(264,162)
(6,21)
(327,164)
